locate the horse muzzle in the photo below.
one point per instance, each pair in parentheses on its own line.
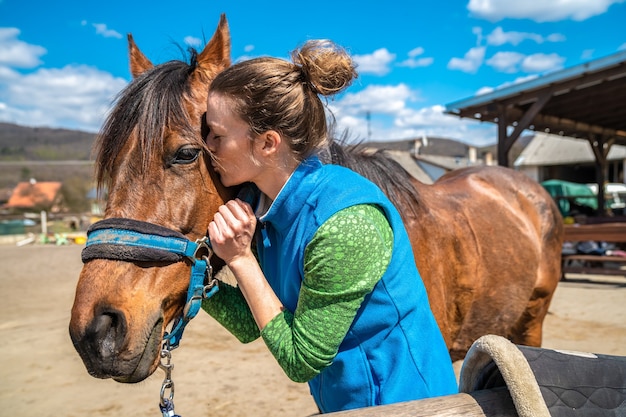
(129,289)
(107,352)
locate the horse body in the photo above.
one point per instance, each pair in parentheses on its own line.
(487,241)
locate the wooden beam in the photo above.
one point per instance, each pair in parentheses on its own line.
(557,124)
(495,402)
(506,141)
(531,113)
(503,146)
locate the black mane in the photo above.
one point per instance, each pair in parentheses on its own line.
(379,168)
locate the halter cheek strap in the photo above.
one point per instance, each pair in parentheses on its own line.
(136,241)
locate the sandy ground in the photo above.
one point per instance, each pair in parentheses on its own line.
(214,374)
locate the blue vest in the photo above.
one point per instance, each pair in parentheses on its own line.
(394,350)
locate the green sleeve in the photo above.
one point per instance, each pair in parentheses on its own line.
(343,262)
(229,307)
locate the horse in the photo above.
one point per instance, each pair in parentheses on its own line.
(487,241)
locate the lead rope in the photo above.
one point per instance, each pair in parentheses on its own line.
(166,403)
(201,287)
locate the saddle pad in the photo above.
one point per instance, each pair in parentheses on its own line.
(546,382)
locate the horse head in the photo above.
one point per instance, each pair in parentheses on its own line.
(154,165)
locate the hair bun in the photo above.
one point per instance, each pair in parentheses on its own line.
(325,66)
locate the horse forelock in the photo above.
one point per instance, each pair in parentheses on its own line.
(152,104)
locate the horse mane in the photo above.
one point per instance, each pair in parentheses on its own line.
(379,168)
(151,104)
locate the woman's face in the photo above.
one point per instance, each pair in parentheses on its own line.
(229,141)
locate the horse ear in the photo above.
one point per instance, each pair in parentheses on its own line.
(217,50)
(138,61)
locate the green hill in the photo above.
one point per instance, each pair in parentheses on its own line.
(21,143)
(44,154)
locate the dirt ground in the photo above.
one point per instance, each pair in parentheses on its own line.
(214,374)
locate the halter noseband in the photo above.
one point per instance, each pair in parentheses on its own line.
(136,241)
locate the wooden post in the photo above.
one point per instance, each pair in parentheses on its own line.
(495,402)
(44,222)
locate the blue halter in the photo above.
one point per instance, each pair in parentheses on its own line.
(135,241)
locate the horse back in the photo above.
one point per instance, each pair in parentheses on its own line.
(486,241)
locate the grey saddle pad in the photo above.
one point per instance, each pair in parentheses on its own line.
(546,382)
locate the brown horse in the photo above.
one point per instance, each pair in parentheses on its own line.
(487,241)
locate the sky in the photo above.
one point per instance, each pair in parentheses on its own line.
(63,63)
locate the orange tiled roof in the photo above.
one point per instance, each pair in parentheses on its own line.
(28,194)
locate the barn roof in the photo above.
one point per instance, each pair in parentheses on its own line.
(585,101)
(582,101)
(33,194)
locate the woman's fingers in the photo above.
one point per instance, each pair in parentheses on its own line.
(232,229)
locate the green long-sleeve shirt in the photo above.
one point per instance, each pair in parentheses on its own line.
(343,262)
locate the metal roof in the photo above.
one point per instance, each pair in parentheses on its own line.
(585,101)
(546,149)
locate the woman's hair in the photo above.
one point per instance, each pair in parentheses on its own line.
(274,94)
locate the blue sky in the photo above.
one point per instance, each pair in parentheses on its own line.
(62,63)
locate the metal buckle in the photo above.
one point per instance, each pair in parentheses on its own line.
(203,249)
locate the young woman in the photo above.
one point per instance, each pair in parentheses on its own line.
(331,286)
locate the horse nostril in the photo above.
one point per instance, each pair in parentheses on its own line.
(107,333)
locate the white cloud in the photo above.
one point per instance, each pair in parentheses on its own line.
(248,48)
(499,37)
(72,96)
(416,52)
(380,99)
(506,61)
(413,62)
(16,53)
(470,63)
(556,37)
(622,47)
(192,41)
(427,117)
(376,63)
(484,90)
(542,62)
(539,10)
(512,62)
(394,115)
(587,54)
(102,29)
(434,122)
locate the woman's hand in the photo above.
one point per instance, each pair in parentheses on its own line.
(232,230)
(231,233)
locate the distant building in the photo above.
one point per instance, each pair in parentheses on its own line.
(36,196)
(550,157)
(428,158)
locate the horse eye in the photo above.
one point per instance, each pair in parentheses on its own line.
(186,155)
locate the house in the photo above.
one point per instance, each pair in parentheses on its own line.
(36,196)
